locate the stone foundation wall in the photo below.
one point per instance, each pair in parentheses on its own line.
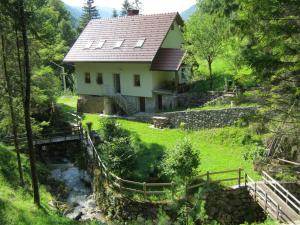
(90,104)
(208,118)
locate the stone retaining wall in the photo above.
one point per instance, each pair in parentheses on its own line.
(208,118)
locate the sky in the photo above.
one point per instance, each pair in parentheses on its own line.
(149,6)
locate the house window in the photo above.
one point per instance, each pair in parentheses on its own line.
(100,79)
(88,45)
(140,43)
(119,44)
(88,77)
(137,80)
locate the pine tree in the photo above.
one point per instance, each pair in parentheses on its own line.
(115,13)
(90,11)
(125,7)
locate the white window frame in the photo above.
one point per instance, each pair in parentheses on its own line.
(88,45)
(119,43)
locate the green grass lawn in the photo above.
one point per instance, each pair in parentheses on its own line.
(219,149)
(16,204)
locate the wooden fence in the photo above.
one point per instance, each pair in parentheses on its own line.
(155,189)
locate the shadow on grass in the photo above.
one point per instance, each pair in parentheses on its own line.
(148,162)
(8,166)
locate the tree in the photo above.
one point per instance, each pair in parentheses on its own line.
(125,7)
(27,117)
(204,37)
(12,110)
(89,12)
(270,33)
(137,4)
(181,161)
(115,13)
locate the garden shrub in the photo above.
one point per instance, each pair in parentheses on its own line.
(181,161)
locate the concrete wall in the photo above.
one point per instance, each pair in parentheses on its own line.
(174,38)
(208,118)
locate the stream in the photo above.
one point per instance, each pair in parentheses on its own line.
(79,196)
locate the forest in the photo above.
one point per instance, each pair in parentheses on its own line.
(249,46)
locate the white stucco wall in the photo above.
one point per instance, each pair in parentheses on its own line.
(160,76)
(174,38)
(126,71)
(150,80)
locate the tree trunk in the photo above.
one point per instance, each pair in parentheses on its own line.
(12,112)
(27,77)
(209,61)
(19,61)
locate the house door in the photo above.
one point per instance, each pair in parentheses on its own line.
(117,83)
(142,104)
(159,102)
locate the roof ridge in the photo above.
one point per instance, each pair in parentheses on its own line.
(140,15)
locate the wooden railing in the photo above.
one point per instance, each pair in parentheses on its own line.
(289,199)
(262,197)
(63,133)
(154,189)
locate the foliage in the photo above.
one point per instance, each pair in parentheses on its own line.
(111,130)
(205,36)
(89,12)
(126,5)
(181,161)
(115,13)
(119,155)
(269,31)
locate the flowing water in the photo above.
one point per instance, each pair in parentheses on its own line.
(80,195)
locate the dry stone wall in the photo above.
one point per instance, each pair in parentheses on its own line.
(208,118)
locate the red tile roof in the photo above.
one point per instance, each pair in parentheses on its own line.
(152,28)
(168,59)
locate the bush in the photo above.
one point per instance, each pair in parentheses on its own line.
(119,155)
(181,161)
(111,130)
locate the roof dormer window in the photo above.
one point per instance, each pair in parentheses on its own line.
(100,44)
(140,43)
(119,44)
(88,44)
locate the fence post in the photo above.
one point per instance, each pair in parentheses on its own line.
(173,190)
(255,191)
(239,181)
(145,190)
(246,179)
(266,201)
(278,212)
(207,176)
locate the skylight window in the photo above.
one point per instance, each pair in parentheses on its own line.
(140,43)
(119,44)
(88,44)
(100,44)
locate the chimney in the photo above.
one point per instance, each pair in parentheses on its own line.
(133,12)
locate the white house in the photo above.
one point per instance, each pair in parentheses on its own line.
(130,64)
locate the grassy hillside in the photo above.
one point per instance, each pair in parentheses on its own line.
(16,204)
(219,149)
